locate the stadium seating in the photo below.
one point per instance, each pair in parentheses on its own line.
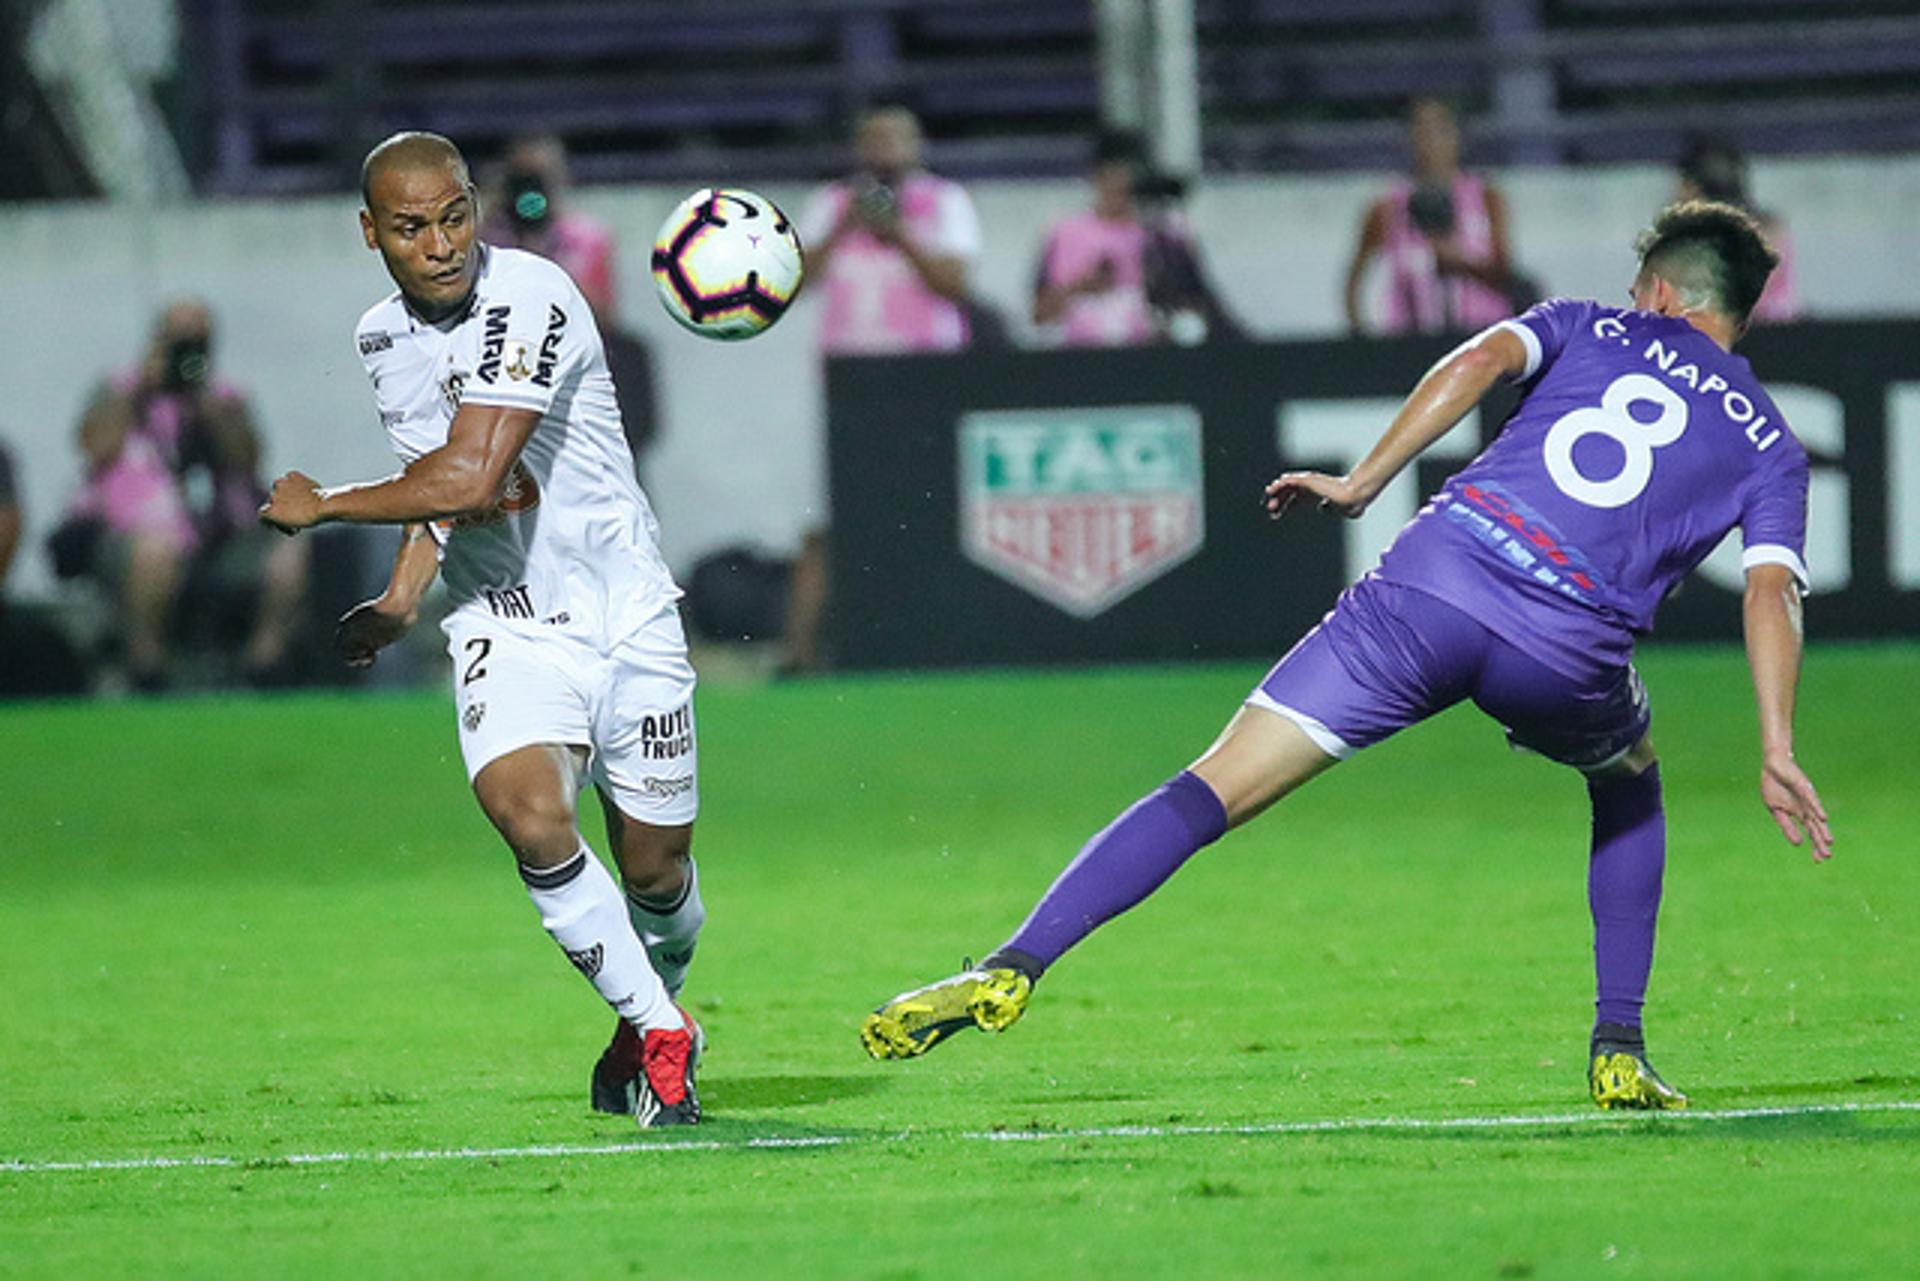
(654,89)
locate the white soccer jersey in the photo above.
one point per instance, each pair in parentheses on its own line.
(573,544)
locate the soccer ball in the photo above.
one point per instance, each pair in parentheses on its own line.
(726,263)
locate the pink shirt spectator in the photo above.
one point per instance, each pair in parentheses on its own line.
(579,243)
(140,490)
(1421,300)
(875,302)
(1116,317)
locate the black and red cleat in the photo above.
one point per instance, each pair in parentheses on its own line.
(650,1078)
(616,1077)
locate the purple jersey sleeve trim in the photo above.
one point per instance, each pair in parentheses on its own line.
(1323,738)
(1529,340)
(1774,554)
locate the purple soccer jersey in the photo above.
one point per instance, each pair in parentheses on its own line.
(1638,445)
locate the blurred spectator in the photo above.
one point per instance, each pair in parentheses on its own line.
(169,500)
(1443,233)
(527,208)
(1127,271)
(889,251)
(1712,168)
(890,248)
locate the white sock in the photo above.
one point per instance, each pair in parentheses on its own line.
(580,906)
(670,934)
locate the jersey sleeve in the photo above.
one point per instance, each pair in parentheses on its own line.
(1544,329)
(534,338)
(1773,520)
(375,345)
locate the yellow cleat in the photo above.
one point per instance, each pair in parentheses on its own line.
(914,1022)
(1623,1079)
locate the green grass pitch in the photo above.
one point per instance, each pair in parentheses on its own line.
(251,930)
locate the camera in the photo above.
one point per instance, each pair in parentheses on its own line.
(877,202)
(1431,209)
(528,204)
(186,363)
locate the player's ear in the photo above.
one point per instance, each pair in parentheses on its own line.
(366,230)
(1660,295)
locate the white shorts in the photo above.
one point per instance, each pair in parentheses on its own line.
(631,709)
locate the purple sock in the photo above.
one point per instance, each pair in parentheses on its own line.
(1623,889)
(1116,869)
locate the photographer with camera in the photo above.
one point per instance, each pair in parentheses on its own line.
(889,253)
(889,249)
(1126,271)
(171,490)
(526,207)
(1443,233)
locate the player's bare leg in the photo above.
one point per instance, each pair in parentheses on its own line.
(1259,758)
(530,795)
(1623,890)
(662,887)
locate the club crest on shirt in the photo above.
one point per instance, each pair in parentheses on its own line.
(1081,507)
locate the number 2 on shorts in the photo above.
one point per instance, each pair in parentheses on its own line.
(479,647)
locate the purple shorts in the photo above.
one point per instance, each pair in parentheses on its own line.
(1387,656)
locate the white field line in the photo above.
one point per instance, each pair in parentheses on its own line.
(1332,1125)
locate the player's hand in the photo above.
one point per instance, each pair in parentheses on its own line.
(1336,493)
(368,628)
(294,504)
(1790,797)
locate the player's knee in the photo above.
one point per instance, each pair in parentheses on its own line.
(538,825)
(653,860)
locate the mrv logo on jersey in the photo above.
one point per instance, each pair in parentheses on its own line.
(1081,507)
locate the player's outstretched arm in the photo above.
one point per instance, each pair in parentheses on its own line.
(1771,615)
(372,625)
(1439,401)
(464,475)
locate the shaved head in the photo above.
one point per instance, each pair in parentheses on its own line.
(420,215)
(412,152)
